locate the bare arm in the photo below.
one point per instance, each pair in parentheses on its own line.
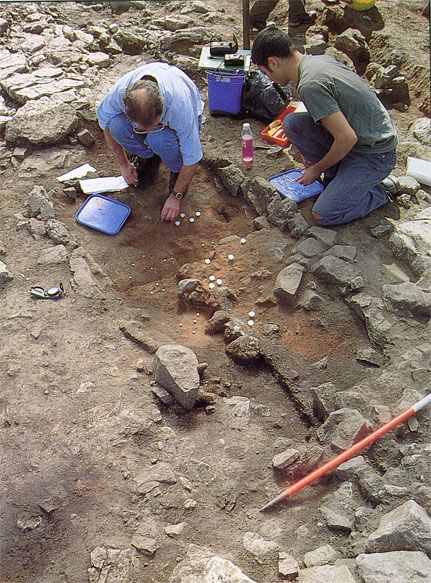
(185,177)
(128,171)
(344,140)
(171,208)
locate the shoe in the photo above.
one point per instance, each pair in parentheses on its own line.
(147,169)
(307,18)
(392,185)
(172,180)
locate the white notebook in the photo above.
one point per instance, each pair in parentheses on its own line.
(99,185)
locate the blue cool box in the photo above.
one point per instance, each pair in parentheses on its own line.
(103,214)
(286,186)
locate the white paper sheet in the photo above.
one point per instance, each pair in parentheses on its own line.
(98,185)
(79,172)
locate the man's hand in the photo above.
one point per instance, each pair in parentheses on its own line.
(171,208)
(311,174)
(129,173)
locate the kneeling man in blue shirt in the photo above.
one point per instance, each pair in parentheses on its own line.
(154,112)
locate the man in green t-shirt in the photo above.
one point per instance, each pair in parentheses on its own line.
(346,135)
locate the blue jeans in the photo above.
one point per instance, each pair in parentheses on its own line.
(163,143)
(352,187)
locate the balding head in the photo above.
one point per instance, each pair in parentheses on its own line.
(143,102)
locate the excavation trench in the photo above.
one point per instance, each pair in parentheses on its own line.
(148,257)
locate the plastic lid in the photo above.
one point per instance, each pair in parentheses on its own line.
(103,214)
(286,185)
(245,126)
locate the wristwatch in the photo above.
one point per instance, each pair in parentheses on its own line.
(178,195)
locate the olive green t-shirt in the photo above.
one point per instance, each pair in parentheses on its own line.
(326,86)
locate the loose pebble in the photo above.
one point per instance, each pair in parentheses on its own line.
(250,322)
(192,219)
(207,261)
(198,213)
(212,278)
(243,240)
(219,281)
(195,321)
(197,314)
(177,223)
(183,215)
(211,285)
(252,314)
(231,257)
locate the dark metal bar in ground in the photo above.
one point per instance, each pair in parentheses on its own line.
(245,24)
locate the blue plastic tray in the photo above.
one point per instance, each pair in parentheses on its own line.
(286,186)
(103,214)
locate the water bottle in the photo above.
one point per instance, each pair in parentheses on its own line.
(247,145)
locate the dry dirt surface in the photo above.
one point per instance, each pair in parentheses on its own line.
(104,477)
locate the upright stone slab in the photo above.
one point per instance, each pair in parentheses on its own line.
(287,282)
(176,370)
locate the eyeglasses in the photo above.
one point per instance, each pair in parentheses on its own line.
(157,128)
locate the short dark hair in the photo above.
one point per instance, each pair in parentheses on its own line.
(271,42)
(143,102)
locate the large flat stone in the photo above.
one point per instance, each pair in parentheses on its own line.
(326,573)
(42,123)
(335,270)
(409,297)
(201,566)
(407,528)
(394,567)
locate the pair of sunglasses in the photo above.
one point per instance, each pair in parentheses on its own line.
(53,293)
(158,128)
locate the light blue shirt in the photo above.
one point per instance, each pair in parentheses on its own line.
(182,105)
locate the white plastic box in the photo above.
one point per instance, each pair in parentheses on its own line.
(419,169)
